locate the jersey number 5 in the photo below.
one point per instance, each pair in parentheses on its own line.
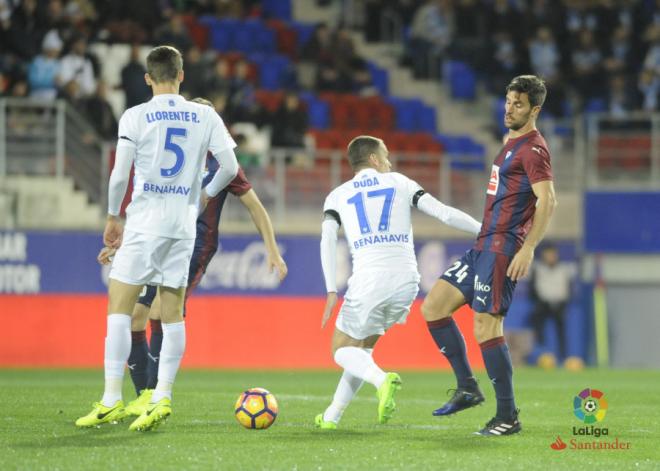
(176,149)
(358,201)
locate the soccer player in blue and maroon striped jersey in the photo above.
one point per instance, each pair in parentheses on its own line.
(519,203)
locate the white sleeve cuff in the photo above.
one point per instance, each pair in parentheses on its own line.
(329,230)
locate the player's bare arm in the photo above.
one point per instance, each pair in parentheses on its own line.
(105,255)
(263,224)
(113,232)
(330,303)
(545,206)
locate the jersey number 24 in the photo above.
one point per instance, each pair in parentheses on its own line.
(358,201)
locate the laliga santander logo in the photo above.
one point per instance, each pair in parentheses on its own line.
(590,406)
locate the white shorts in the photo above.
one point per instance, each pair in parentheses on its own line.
(149,259)
(375,301)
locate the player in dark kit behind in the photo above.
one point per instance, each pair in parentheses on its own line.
(144,358)
(519,203)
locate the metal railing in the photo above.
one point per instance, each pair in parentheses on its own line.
(50,139)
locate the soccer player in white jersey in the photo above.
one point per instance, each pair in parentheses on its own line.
(374,208)
(166,139)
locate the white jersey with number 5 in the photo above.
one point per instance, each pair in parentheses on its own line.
(374,209)
(170,137)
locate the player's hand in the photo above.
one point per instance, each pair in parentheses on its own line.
(203,201)
(105,255)
(330,303)
(519,266)
(276,262)
(113,233)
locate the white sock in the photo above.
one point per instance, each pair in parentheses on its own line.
(174,344)
(359,363)
(347,388)
(117,350)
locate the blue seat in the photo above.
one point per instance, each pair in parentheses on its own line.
(428,119)
(264,40)
(462,80)
(596,105)
(380,78)
(319,114)
(304,31)
(222,34)
(277,9)
(406,116)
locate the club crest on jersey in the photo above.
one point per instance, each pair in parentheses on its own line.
(508,154)
(494,181)
(369,181)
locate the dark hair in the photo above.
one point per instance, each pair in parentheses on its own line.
(360,148)
(164,64)
(530,84)
(202,101)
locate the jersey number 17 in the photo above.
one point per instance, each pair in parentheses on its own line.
(358,201)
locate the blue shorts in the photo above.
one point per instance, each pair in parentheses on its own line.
(481,277)
(201,257)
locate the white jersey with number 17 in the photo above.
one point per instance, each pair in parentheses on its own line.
(374,209)
(170,137)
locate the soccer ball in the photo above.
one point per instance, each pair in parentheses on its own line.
(590,405)
(256,408)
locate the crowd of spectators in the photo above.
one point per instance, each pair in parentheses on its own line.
(44,54)
(588,51)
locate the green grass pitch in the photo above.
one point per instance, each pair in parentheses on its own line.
(39,408)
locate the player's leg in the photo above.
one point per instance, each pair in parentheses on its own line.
(558,313)
(121,300)
(155,341)
(447,295)
(174,344)
(139,357)
(497,289)
(349,383)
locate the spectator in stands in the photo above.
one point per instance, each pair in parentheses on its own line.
(587,67)
(77,66)
(649,91)
(174,33)
(45,68)
(621,54)
(100,113)
(247,158)
(196,74)
(550,292)
(431,33)
(545,59)
(652,58)
(621,98)
(219,81)
(132,80)
(24,31)
(289,123)
(469,29)
(502,16)
(243,105)
(505,61)
(318,47)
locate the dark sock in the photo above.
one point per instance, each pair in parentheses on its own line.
(500,371)
(154,353)
(137,361)
(451,343)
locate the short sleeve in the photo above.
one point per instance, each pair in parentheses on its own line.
(330,203)
(127,134)
(240,184)
(220,139)
(536,162)
(411,187)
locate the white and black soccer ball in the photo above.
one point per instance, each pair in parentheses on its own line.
(590,405)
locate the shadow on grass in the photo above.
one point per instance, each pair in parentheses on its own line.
(103,437)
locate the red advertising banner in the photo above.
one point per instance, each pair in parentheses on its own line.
(222,332)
